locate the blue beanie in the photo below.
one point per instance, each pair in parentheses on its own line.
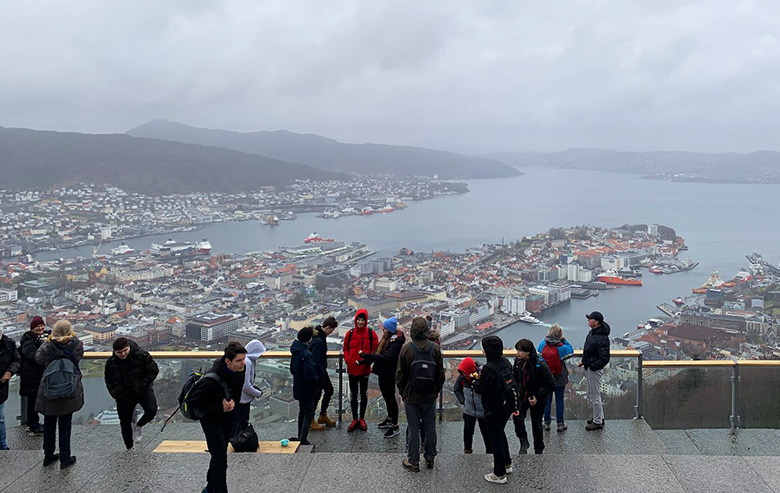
(391,324)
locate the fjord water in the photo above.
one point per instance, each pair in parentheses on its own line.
(720,222)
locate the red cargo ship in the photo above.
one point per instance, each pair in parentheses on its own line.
(611,277)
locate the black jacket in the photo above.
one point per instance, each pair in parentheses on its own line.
(491,388)
(132,376)
(319,350)
(534,378)
(9,361)
(208,395)
(305,378)
(31,372)
(595,352)
(386,363)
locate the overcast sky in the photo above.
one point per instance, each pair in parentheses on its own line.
(473,76)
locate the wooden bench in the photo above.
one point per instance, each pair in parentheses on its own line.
(199,447)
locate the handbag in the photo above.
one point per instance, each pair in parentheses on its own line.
(246,440)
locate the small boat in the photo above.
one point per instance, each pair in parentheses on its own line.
(529,319)
(122,249)
(315,238)
(678,301)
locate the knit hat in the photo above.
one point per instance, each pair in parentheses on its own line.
(36,321)
(391,324)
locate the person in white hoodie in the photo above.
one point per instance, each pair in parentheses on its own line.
(254,349)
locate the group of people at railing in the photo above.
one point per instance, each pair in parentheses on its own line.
(220,399)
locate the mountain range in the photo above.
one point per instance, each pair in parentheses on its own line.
(331,155)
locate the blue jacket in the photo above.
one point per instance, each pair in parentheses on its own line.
(468,398)
(565,351)
(305,380)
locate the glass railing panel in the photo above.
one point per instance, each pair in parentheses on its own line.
(759,397)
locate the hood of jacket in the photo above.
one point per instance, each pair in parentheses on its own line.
(419,333)
(364,312)
(467,367)
(602,330)
(552,341)
(297,348)
(254,349)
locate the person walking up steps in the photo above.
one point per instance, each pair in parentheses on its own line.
(359,339)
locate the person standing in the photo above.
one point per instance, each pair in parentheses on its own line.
(31,372)
(359,339)
(535,383)
(555,350)
(305,382)
(471,401)
(216,398)
(420,377)
(595,356)
(385,361)
(254,349)
(60,356)
(489,384)
(319,349)
(9,366)
(130,373)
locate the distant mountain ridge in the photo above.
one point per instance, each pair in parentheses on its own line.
(32,159)
(756,167)
(329,154)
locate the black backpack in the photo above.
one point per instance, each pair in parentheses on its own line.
(422,373)
(246,440)
(188,410)
(510,390)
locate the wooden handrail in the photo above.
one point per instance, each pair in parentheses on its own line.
(690,363)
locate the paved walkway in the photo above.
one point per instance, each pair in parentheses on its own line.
(626,456)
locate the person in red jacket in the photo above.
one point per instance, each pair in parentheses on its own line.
(359,339)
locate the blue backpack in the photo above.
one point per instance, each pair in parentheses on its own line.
(61,377)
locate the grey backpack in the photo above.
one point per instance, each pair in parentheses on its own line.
(61,377)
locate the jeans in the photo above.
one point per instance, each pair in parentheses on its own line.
(125,408)
(50,432)
(306,409)
(3,443)
(594,394)
(469,425)
(326,391)
(417,416)
(387,387)
(558,405)
(217,435)
(33,421)
(240,418)
(358,384)
(496,423)
(537,412)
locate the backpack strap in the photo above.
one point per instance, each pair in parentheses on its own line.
(213,376)
(69,354)
(348,339)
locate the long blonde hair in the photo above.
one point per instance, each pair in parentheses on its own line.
(555,331)
(62,331)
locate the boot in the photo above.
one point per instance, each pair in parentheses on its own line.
(314,426)
(325,420)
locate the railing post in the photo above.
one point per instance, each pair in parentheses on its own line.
(441,405)
(23,409)
(341,387)
(638,407)
(734,418)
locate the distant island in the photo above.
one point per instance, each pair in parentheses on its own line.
(757,167)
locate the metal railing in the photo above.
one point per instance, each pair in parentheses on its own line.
(735,366)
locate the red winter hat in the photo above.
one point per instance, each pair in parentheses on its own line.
(36,321)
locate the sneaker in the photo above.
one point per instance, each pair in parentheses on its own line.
(492,478)
(563,427)
(509,469)
(363,425)
(137,433)
(594,426)
(467,451)
(590,422)
(35,431)
(546,426)
(47,461)
(294,439)
(325,420)
(387,423)
(429,464)
(315,426)
(68,462)
(392,431)
(412,467)
(353,425)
